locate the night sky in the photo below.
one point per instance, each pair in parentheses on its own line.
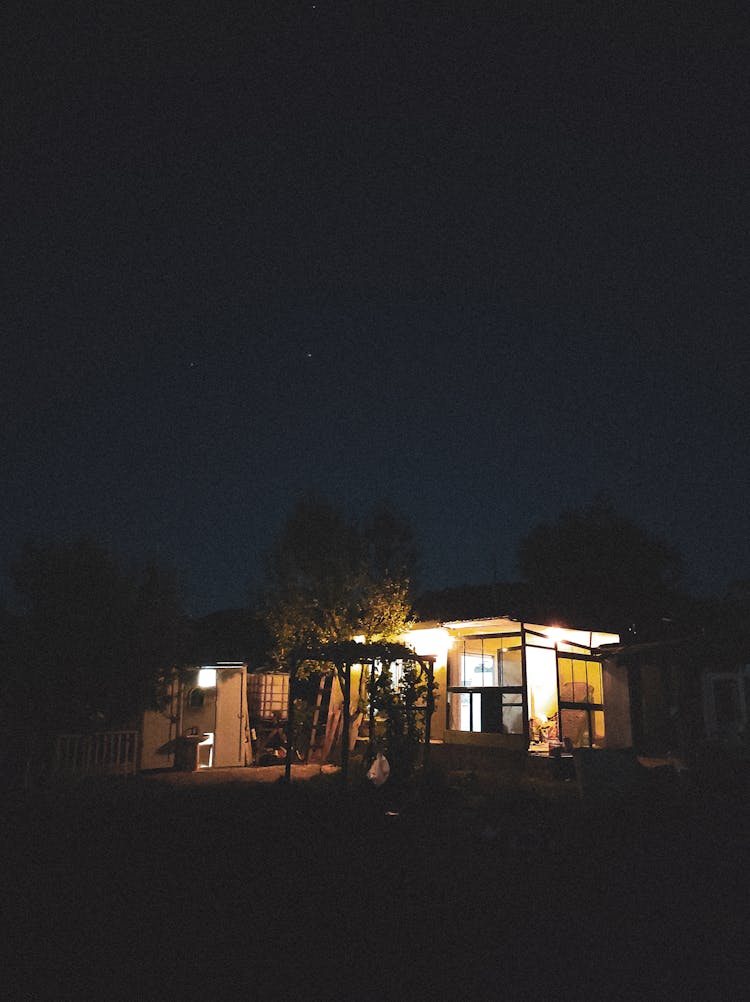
(487,262)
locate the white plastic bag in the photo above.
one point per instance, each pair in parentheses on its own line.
(379,771)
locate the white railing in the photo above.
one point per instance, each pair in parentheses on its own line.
(107,753)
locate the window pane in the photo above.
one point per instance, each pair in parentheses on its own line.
(469,711)
(580,680)
(476,699)
(512,719)
(594,679)
(565,671)
(598,716)
(477,663)
(541,677)
(579,677)
(510,669)
(477,669)
(577,690)
(464,720)
(573,648)
(575,726)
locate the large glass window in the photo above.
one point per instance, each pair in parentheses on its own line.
(580,680)
(510,663)
(552,690)
(510,680)
(477,669)
(581,700)
(487,691)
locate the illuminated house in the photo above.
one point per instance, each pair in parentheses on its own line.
(519,685)
(500,682)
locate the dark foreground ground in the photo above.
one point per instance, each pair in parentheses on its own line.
(141,890)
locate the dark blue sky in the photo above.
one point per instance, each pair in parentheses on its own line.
(484,265)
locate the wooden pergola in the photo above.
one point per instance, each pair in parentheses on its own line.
(343,656)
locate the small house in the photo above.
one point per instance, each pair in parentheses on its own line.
(204,723)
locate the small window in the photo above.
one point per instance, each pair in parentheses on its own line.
(196,699)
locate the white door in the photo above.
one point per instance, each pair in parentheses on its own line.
(229,736)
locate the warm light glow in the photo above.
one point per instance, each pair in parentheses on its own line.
(541,678)
(556,634)
(562,635)
(207,678)
(436,641)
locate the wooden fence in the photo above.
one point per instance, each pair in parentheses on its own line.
(107,753)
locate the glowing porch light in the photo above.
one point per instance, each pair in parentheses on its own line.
(206,678)
(556,634)
(436,641)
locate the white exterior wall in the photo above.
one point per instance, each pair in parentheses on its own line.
(223,714)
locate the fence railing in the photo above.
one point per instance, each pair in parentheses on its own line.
(107,753)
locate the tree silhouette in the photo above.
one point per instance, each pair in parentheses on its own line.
(598,567)
(94,638)
(330,577)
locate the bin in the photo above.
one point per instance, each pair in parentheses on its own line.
(186,753)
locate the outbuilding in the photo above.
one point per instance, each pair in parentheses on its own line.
(204,723)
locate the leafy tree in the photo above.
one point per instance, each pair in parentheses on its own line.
(598,567)
(390,559)
(94,639)
(330,578)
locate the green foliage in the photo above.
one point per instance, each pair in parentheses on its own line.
(385,610)
(330,578)
(400,701)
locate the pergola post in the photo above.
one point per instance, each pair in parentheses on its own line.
(371,712)
(290,724)
(346,670)
(429,664)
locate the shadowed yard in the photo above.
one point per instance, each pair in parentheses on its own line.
(147,889)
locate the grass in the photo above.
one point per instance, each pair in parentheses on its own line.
(131,889)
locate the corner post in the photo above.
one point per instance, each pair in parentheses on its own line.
(290,725)
(346,671)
